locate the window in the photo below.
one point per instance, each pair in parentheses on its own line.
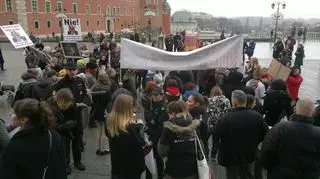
(125,11)
(49,24)
(118,19)
(114,20)
(9,5)
(108,11)
(59,4)
(87,9)
(74,8)
(118,10)
(34,5)
(10,22)
(98,23)
(113,11)
(48,7)
(36,24)
(88,23)
(156,2)
(99,9)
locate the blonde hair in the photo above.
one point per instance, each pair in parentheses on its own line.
(216,91)
(121,115)
(64,99)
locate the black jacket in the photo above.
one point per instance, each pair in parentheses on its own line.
(77,87)
(239,133)
(234,82)
(43,90)
(277,104)
(26,156)
(291,150)
(127,157)
(101,96)
(177,142)
(26,87)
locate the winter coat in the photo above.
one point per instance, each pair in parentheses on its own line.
(291,150)
(186,77)
(299,57)
(294,83)
(218,107)
(177,143)
(278,48)
(127,157)
(26,87)
(43,90)
(26,156)
(174,77)
(239,133)
(154,120)
(4,137)
(101,96)
(77,87)
(259,89)
(234,82)
(90,80)
(277,104)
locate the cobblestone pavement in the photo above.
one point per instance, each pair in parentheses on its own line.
(99,167)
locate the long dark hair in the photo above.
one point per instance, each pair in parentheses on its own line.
(38,113)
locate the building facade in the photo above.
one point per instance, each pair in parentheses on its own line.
(42,17)
(183,21)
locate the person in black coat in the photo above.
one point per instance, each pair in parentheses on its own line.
(291,149)
(176,39)
(234,82)
(36,151)
(66,115)
(299,56)
(278,48)
(1,61)
(101,96)
(277,103)
(239,133)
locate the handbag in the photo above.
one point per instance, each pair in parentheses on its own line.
(149,157)
(203,168)
(45,169)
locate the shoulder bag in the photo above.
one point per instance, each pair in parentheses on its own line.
(203,168)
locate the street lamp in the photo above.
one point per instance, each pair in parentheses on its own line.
(150,12)
(61,15)
(278,15)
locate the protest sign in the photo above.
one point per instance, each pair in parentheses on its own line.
(227,53)
(16,35)
(71,29)
(279,71)
(70,50)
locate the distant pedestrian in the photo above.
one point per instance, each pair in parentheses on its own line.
(299,56)
(239,133)
(222,37)
(1,61)
(291,149)
(294,82)
(250,49)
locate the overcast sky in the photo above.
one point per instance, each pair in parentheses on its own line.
(232,8)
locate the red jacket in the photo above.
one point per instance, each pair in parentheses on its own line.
(294,83)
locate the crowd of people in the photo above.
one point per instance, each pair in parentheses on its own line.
(255,121)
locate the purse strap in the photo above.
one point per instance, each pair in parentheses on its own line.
(197,142)
(49,153)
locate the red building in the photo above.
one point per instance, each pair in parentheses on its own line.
(40,16)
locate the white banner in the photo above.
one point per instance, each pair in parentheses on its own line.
(71,29)
(17,36)
(227,53)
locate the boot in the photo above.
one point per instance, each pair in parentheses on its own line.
(80,166)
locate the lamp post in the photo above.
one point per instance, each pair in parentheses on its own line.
(278,15)
(150,12)
(61,15)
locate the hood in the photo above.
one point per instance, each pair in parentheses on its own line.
(235,78)
(27,76)
(44,82)
(197,111)
(182,126)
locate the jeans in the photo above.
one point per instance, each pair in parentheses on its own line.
(240,172)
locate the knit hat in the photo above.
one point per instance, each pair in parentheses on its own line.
(62,73)
(172,91)
(51,73)
(81,63)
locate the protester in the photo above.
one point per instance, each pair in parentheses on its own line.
(251,101)
(239,133)
(172,90)
(250,49)
(91,74)
(154,122)
(290,149)
(278,48)
(234,82)
(25,88)
(190,89)
(146,97)
(173,75)
(176,39)
(266,78)
(299,56)
(294,82)
(218,106)
(101,96)
(1,61)
(258,86)
(4,137)
(277,103)
(177,143)
(126,141)
(35,151)
(44,89)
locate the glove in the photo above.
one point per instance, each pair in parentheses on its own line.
(71,125)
